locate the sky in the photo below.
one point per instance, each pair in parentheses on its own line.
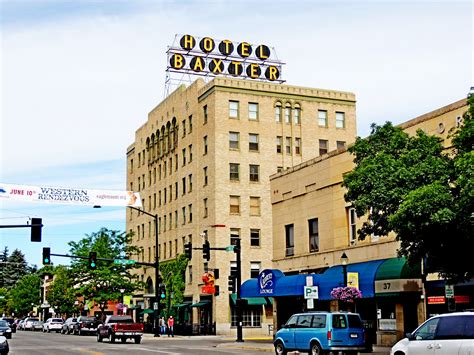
(78,77)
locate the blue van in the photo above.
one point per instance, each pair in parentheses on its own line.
(321,332)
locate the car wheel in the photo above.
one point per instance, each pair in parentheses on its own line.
(99,338)
(315,349)
(79,332)
(280,349)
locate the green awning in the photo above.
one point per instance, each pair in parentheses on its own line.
(253,301)
(201,304)
(395,275)
(147,311)
(181,305)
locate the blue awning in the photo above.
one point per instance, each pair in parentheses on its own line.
(333,277)
(292,285)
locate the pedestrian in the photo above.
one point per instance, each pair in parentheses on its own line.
(171,326)
(162,326)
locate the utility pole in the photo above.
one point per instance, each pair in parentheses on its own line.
(239,302)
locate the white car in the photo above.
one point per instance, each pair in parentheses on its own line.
(446,334)
(28,323)
(53,324)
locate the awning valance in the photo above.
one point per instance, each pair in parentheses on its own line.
(292,285)
(395,275)
(181,305)
(201,303)
(147,311)
(253,301)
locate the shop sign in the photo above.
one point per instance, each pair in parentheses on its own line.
(207,56)
(462,299)
(266,282)
(436,300)
(397,285)
(387,324)
(353,279)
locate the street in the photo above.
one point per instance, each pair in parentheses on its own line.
(38,343)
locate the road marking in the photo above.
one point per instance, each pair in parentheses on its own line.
(87,351)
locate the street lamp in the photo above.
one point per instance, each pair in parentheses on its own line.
(344,261)
(156,306)
(122,290)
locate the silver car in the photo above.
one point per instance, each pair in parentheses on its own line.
(53,324)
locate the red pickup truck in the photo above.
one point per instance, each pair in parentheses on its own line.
(120,327)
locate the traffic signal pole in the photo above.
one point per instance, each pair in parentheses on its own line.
(238,302)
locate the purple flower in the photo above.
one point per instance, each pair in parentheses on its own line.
(345,293)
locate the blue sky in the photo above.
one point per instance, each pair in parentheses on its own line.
(78,78)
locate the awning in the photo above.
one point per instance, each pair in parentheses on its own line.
(333,277)
(394,275)
(181,305)
(253,301)
(292,285)
(201,303)
(147,311)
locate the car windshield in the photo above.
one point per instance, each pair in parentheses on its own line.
(3,323)
(87,319)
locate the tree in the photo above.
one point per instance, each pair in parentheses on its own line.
(414,187)
(61,294)
(173,272)
(15,268)
(105,282)
(26,294)
(3,262)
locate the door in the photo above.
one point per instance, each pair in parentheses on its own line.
(451,333)
(303,332)
(287,333)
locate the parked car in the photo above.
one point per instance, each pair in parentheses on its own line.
(86,325)
(53,324)
(318,332)
(37,326)
(4,348)
(11,322)
(451,333)
(120,327)
(28,323)
(5,329)
(19,324)
(68,325)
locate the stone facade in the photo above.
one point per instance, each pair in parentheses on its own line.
(190,141)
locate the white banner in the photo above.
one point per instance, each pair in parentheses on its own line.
(71,196)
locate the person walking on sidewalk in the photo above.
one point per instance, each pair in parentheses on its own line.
(162,326)
(171,326)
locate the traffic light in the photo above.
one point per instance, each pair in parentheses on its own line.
(188,250)
(162,291)
(92,260)
(231,279)
(46,256)
(451,304)
(237,246)
(36,226)
(206,250)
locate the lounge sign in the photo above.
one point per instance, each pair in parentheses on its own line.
(204,56)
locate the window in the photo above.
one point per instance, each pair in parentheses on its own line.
(428,330)
(190,149)
(204,142)
(190,122)
(205,208)
(340,144)
(190,274)
(234,140)
(176,162)
(254,173)
(159,172)
(165,194)
(204,111)
(233,109)
(298,146)
(234,171)
(190,182)
(323,146)
(251,316)
(255,206)
(253,142)
(290,240)
(190,213)
(131,165)
(254,269)
(184,156)
(139,183)
(288,145)
(340,120)
(322,118)
(164,169)
(183,209)
(253,111)
(339,321)
(255,237)
(304,321)
(171,165)
(287,114)
(204,172)
(164,230)
(183,182)
(279,169)
(171,193)
(278,113)
(176,190)
(279,143)
(313,228)
(183,124)
(352,225)
(297,115)
(159,198)
(154,175)
(234,204)
(234,235)
(154,200)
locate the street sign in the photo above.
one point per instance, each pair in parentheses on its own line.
(310,303)
(311,292)
(124,261)
(155,305)
(449,291)
(229,248)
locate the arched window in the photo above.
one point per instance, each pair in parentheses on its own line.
(287,113)
(148,149)
(297,114)
(149,287)
(152,146)
(168,137)
(163,141)
(278,112)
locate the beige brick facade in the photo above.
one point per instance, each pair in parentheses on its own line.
(255,152)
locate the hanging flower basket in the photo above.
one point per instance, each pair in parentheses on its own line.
(346,294)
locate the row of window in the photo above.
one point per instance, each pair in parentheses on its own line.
(234,172)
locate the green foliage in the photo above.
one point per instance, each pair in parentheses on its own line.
(173,272)
(61,294)
(15,268)
(104,284)
(25,294)
(410,186)
(5,301)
